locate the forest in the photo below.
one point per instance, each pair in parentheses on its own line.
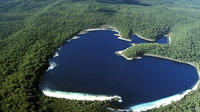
(31,31)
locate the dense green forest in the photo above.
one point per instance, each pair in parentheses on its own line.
(31,31)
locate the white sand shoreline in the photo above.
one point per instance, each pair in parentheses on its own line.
(52,65)
(164,101)
(151,40)
(137,108)
(119,36)
(169,38)
(119,53)
(73,38)
(74,95)
(80,96)
(170,99)
(56,54)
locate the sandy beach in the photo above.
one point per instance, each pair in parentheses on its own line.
(170,99)
(79,96)
(145,38)
(119,36)
(164,101)
(167,35)
(138,108)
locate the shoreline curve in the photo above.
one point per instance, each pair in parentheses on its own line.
(167,100)
(137,108)
(79,96)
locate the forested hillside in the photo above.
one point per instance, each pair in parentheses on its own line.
(31,31)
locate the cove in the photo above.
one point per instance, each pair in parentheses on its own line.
(88,67)
(137,40)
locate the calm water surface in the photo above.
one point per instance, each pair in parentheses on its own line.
(90,65)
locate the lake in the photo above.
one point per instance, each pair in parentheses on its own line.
(89,65)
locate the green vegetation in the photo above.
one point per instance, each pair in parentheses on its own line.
(31,30)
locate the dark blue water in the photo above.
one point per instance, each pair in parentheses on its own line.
(90,65)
